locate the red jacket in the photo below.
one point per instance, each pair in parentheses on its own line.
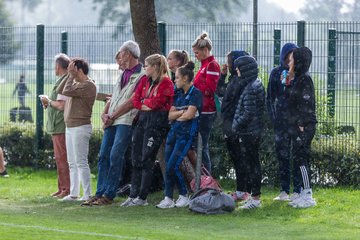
(206,81)
(159,98)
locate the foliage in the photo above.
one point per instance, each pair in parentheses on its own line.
(18,142)
(8,46)
(335,10)
(117,11)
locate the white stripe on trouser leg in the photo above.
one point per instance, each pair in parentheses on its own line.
(305,177)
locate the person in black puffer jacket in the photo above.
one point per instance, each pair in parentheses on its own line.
(248,124)
(302,121)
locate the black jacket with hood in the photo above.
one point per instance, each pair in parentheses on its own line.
(249,113)
(231,95)
(276,97)
(302,92)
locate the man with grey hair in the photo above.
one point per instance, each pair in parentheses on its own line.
(117,120)
(56,127)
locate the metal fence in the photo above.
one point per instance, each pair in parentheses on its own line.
(335,67)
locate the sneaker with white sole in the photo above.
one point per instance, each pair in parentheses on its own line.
(251,204)
(84,198)
(240,196)
(138,202)
(128,202)
(294,196)
(283,196)
(166,203)
(69,198)
(183,201)
(304,200)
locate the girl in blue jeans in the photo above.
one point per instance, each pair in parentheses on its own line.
(184,115)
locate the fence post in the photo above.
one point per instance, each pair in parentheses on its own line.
(162,37)
(255,28)
(301,33)
(64,42)
(277,46)
(331,72)
(40,29)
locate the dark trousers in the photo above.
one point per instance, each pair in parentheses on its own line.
(145,145)
(301,153)
(249,153)
(233,146)
(283,148)
(206,122)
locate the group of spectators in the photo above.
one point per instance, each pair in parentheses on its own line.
(150,108)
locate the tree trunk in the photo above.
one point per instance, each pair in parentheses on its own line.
(145,27)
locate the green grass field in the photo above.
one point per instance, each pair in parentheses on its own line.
(27,212)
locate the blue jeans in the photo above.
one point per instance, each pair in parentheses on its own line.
(205,125)
(115,141)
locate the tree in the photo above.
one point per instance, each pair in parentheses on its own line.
(334,10)
(8,46)
(145,26)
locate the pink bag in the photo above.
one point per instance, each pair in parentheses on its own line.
(207,181)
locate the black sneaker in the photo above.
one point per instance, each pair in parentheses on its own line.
(4,174)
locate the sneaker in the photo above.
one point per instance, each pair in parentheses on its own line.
(294,196)
(283,196)
(252,203)
(4,174)
(138,202)
(305,200)
(69,198)
(240,196)
(128,202)
(183,201)
(166,203)
(84,198)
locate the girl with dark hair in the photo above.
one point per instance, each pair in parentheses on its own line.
(153,97)
(176,59)
(184,115)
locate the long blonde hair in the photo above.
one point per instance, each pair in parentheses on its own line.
(202,41)
(159,61)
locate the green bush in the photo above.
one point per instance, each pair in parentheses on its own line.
(18,142)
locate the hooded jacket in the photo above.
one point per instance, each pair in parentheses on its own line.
(302,92)
(234,88)
(249,113)
(276,98)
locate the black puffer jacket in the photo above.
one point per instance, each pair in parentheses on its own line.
(234,88)
(249,114)
(302,92)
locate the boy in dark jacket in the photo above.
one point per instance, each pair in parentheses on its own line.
(302,121)
(248,124)
(278,109)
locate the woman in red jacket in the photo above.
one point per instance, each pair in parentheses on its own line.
(153,98)
(206,81)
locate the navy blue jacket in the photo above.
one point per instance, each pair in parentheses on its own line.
(249,113)
(276,99)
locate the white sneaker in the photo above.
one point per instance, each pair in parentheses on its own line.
(68,198)
(84,198)
(183,201)
(128,202)
(138,202)
(294,196)
(251,203)
(305,200)
(283,196)
(166,203)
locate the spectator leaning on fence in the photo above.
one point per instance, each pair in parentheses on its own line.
(81,91)
(232,92)
(184,115)
(248,124)
(117,119)
(278,109)
(153,97)
(302,121)
(206,81)
(55,125)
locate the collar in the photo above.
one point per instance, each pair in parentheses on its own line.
(207,60)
